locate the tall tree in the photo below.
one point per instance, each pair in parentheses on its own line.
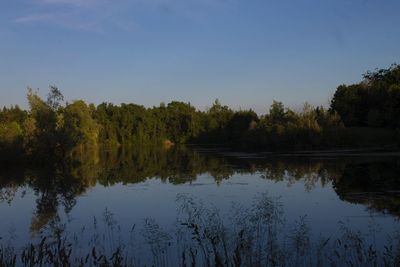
(79,126)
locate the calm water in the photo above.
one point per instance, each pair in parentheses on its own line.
(124,191)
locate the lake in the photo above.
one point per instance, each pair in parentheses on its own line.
(206,206)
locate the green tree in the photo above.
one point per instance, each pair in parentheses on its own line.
(44,118)
(277,113)
(78,126)
(54,98)
(373,102)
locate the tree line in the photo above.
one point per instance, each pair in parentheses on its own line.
(374,102)
(52,128)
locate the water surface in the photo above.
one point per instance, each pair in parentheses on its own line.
(128,191)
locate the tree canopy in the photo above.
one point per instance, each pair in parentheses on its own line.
(374,102)
(53,129)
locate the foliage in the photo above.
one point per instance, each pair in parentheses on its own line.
(12,131)
(310,128)
(78,126)
(374,102)
(52,129)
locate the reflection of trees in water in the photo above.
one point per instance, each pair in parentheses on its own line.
(371,182)
(254,235)
(365,181)
(310,173)
(374,184)
(53,188)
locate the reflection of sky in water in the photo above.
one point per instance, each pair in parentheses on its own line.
(132,203)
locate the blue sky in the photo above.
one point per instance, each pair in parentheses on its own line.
(244,52)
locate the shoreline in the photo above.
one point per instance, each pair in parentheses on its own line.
(346,152)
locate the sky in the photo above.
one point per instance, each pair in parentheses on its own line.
(246,53)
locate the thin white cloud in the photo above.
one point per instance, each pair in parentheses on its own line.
(65,20)
(34,18)
(77,3)
(97,15)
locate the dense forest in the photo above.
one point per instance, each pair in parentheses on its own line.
(374,102)
(362,114)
